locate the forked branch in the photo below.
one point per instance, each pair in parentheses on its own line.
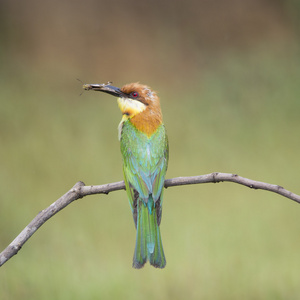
(80,190)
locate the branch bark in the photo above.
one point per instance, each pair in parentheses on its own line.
(80,190)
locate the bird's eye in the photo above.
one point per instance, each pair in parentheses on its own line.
(134,94)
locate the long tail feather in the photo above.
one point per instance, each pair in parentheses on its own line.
(148,239)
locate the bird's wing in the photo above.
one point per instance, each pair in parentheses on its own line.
(145,162)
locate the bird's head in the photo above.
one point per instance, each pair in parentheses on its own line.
(136,102)
(133,98)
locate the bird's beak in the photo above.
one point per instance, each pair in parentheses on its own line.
(107,88)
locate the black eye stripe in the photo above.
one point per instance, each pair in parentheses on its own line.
(135,96)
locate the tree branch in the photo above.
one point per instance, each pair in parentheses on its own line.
(80,190)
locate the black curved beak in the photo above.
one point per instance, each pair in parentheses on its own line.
(106,88)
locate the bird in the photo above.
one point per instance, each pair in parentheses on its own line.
(145,152)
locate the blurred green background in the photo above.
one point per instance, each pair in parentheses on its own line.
(228,75)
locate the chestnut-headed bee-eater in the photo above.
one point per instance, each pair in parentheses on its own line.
(145,151)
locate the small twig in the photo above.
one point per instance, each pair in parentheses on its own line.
(80,190)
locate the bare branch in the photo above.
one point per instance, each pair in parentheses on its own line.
(220,177)
(80,190)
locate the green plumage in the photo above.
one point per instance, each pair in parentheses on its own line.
(145,163)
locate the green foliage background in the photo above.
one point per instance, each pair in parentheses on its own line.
(229,87)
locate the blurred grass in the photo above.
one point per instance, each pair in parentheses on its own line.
(221,241)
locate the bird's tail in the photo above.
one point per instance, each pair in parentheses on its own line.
(148,240)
